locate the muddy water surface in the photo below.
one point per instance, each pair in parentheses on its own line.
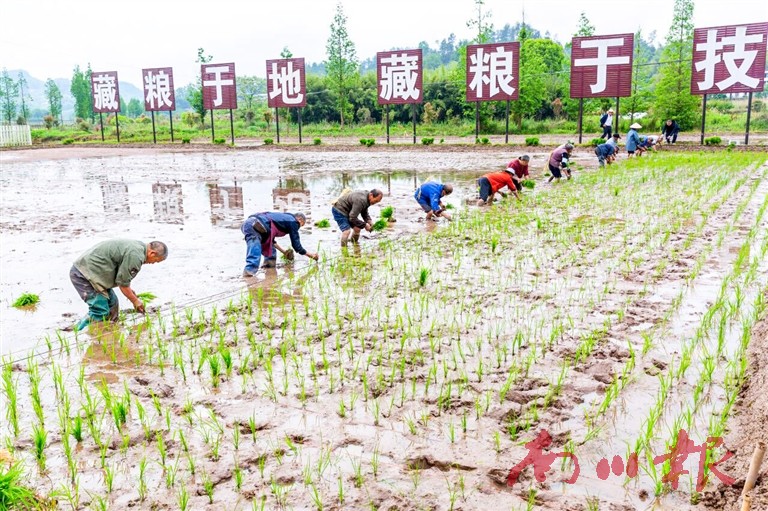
(53,210)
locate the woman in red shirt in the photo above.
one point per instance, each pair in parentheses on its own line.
(491,183)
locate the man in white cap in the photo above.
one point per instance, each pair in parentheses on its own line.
(606,122)
(633,139)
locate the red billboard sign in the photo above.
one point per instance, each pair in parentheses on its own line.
(105,92)
(601,66)
(158,89)
(286,83)
(219,89)
(729,59)
(493,71)
(399,76)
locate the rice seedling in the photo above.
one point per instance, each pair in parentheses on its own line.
(146,297)
(387,212)
(13,493)
(40,441)
(379,224)
(26,300)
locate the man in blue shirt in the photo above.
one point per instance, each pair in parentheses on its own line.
(429,197)
(260,231)
(605,153)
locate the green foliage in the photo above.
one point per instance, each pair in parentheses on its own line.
(531,141)
(533,89)
(185,140)
(220,141)
(428,140)
(585,28)
(13,494)
(268,141)
(423,276)
(341,67)
(146,297)
(673,95)
(387,212)
(26,300)
(484,141)
(379,224)
(596,142)
(68,141)
(323,223)
(713,141)
(53,95)
(195,94)
(317,141)
(80,88)
(528,183)
(8,92)
(367,142)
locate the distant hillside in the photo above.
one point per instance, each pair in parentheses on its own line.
(38,104)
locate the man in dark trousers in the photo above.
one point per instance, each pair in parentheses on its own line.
(351,213)
(606,122)
(110,264)
(558,162)
(669,131)
(260,231)
(430,197)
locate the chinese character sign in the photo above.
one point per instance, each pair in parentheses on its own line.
(286,83)
(158,89)
(399,76)
(601,66)
(105,91)
(219,89)
(492,71)
(729,59)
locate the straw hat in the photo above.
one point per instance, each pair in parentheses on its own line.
(610,110)
(635,126)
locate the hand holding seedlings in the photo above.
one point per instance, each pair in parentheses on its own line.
(350,211)
(110,264)
(429,196)
(260,231)
(519,170)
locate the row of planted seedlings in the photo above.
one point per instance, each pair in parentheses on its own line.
(307,352)
(622,423)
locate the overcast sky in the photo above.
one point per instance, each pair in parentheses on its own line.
(49,37)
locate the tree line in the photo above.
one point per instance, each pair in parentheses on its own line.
(343,89)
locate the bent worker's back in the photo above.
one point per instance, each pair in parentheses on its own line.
(112,263)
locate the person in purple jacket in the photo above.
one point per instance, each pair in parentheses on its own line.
(558,162)
(260,231)
(429,196)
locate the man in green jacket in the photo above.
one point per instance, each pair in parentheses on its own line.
(109,264)
(351,213)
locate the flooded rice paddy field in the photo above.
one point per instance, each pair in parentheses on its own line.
(610,311)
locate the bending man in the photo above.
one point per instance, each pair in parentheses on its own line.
(351,213)
(492,182)
(429,196)
(260,231)
(558,162)
(110,264)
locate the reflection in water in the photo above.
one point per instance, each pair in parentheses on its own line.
(168,202)
(115,197)
(291,196)
(226,205)
(269,292)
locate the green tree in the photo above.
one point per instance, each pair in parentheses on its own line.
(642,76)
(555,76)
(481,23)
(81,90)
(195,94)
(9,90)
(341,66)
(24,96)
(585,28)
(248,90)
(673,88)
(53,95)
(134,108)
(533,91)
